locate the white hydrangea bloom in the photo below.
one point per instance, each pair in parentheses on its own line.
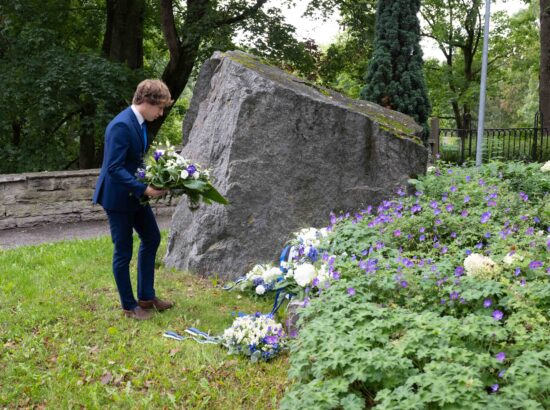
(479,265)
(260,289)
(304,274)
(546,167)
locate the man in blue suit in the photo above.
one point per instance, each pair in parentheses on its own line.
(119,192)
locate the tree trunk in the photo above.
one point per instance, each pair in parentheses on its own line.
(123,41)
(16,128)
(184,48)
(544,76)
(176,75)
(87,157)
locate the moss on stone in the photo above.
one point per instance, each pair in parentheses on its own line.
(397,124)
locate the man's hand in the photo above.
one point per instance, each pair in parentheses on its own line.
(152,192)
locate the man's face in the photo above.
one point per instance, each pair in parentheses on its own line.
(151,112)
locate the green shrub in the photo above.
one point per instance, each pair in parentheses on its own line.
(410,325)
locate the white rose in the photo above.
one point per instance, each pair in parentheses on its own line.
(304,274)
(260,289)
(184,174)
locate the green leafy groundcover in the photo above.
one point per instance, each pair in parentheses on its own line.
(442,302)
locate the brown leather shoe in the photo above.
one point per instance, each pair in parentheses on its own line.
(137,313)
(156,303)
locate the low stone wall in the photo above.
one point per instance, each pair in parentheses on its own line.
(39,198)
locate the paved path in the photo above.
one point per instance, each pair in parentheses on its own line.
(12,238)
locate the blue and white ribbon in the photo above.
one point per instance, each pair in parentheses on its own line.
(196,335)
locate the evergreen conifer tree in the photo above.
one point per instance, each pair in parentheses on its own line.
(394,76)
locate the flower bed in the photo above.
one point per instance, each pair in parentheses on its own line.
(441,299)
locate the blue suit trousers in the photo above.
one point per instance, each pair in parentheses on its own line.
(122,225)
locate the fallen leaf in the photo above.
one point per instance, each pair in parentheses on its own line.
(106,378)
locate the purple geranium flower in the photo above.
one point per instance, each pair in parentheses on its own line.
(498,315)
(495,387)
(351,291)
(500,356)
(487,303)
(191,169)
(485,217)
(141,174)
(464,213)
(524,196)
(535,265)
(404,283)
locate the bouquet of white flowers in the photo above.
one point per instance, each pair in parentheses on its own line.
(305,266)
(257,336)
(166,169)
(260,279)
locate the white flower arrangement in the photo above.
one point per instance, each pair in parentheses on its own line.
(261,279)
(477,265)
(545,167)
(166,169)
(257,336)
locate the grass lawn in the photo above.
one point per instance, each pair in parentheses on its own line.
(65,344)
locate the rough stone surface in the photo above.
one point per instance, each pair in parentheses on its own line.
(285,154)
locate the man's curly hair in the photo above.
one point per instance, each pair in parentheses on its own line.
(154,92)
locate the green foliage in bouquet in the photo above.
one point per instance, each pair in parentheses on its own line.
(166,169)
(443,299)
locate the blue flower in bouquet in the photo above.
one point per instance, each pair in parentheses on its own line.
(157,154)
(313,254)
(191,169)
(141,173)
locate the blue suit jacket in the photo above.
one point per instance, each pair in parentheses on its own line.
(117,188)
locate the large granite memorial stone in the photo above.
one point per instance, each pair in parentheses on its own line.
(285,153)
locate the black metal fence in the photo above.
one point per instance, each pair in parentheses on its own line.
(525,144)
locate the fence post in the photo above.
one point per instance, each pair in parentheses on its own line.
(433,141)
(535,135)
